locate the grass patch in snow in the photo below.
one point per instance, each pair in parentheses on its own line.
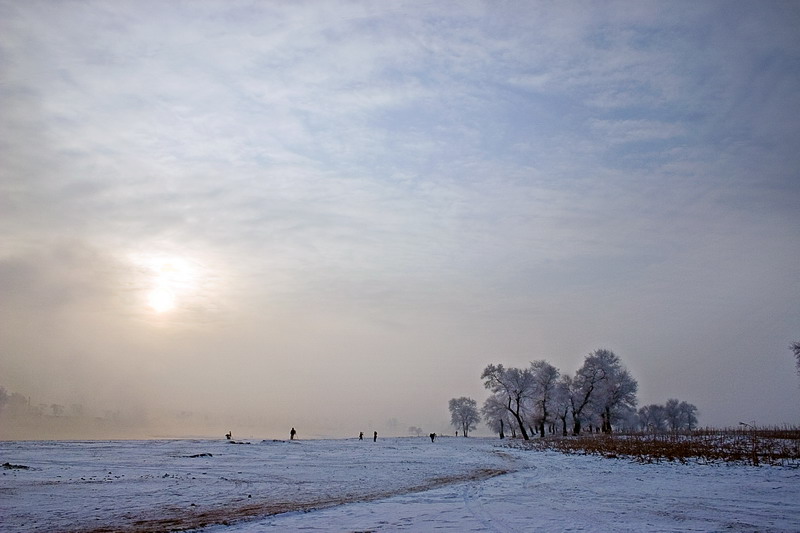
(753,446)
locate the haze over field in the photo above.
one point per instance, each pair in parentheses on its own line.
(333,215)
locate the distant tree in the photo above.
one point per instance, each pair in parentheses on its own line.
(545,378)
(795,347)
(627,419)
(415,430)
(513,388)
(674,416)
(464,414)
(672,413)
(688,414)
(18,403)
(652,418)
(3,398)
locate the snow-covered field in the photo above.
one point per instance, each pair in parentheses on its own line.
(408,484)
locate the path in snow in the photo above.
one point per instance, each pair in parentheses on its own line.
(556,492)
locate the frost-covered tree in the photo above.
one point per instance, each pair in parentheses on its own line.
(583,386)
(545,378)
(795,347)
(688,415)
(464,414)
(673,416)
(627,419)
(496,417)
(561,401)
(513,388)
(672,413)
(615,393)
(652,418)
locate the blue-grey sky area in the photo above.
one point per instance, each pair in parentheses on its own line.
(334,215)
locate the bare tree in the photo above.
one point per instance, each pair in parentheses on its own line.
(513,388)
(464,414)
(795,347)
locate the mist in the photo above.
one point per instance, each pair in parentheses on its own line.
(226,217)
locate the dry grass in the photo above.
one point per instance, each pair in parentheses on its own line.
(751,446)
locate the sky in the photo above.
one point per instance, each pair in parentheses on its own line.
(334,215)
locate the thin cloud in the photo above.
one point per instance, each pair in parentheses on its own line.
(354,181)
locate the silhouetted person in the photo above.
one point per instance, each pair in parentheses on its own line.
(375,437)
(432,436)
(361,435)
(292,433)
(228,435)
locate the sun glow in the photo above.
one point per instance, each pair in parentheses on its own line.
(170,280)
(161,300)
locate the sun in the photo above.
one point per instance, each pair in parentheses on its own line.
(161,300)
(168,282)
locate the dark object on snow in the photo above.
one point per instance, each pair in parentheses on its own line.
(198,455)
(375,437)
(9,466)
(292,433)
(228,435)
(432,436)
(361,435)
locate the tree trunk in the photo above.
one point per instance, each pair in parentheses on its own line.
(576,428)
(521,426)
(519,419)
(607,421)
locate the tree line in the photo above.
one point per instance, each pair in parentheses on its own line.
(540,399)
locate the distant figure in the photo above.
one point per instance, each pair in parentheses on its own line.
(361,435)
(432,436)
(375,437)
(456,433)
(292,433)
(228,435)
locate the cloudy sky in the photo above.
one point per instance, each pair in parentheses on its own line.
(334,214)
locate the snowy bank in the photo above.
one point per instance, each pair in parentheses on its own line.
(454,484)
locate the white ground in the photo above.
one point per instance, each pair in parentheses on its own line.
(347,485)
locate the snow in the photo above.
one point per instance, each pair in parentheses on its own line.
(395,484)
